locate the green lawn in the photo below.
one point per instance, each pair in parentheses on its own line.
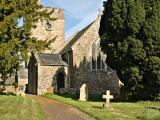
(19,108)
(120,111)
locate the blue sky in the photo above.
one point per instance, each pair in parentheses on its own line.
(78,13)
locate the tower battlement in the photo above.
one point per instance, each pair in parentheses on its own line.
(57,12)
(47,30)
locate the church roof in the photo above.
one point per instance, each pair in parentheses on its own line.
(50,59)
(74,38)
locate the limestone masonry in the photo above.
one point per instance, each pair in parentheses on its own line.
(70,64)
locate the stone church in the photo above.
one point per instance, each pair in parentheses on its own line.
(69,64)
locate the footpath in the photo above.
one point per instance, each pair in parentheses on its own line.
(55,110)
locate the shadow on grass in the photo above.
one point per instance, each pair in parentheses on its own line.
(72,96)
(92,98)
(98,107)
(7,94)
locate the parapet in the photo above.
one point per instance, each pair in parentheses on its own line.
(57,12)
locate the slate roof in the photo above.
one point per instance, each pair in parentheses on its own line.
(50,59)
(73,39)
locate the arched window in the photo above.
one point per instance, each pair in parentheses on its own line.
(99,61)
(94,56)
(97,57)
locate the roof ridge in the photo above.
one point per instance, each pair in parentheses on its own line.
(75,37)
(50,59)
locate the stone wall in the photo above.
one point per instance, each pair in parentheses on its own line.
(47,78)
(57,31)
(10,89)
(98,80)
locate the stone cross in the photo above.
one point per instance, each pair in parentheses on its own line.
(107,97)
(83,93)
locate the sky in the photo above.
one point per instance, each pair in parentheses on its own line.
(78,13)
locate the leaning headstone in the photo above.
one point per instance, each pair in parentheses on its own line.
(107,97)
(83,93)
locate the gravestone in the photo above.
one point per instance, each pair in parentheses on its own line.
(83,93)
(108,97)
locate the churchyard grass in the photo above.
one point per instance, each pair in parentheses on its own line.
(19,108)
(120,111)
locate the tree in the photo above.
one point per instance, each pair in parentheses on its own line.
(15,39)
(130,37)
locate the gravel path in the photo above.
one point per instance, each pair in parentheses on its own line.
(55,110)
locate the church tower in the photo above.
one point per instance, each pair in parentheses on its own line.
(47,30)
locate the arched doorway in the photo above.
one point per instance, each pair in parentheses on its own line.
(60,80)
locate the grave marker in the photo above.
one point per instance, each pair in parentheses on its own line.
(83,93)
(107,97)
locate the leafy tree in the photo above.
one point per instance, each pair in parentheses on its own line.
(131,39)
(15,39)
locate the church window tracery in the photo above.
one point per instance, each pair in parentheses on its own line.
(98,58)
